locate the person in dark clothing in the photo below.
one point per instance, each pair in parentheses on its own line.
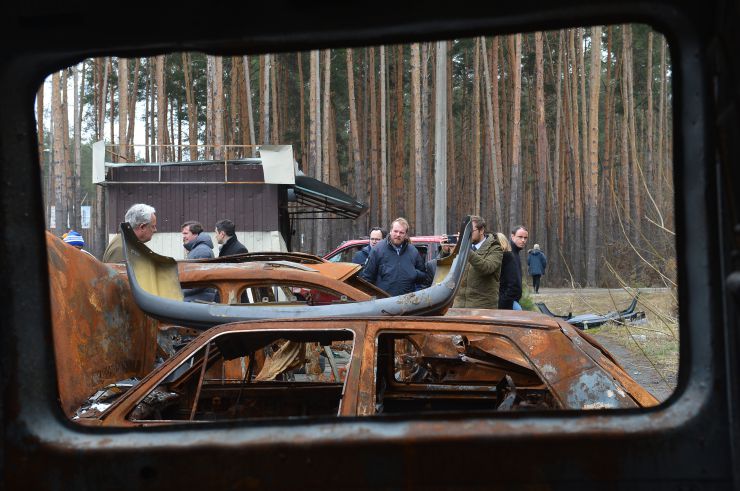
(226,236)
(511,288)
(536,263)
(376,235)
(198,245)
(508,273)
(395,265)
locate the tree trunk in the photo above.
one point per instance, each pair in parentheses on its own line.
(426,152)
(385,215)
(491,94)
(376,183)
(400,191)
(275,131)
(515,212)
(555,221)
(476,128)
(661,129)
(302,112)
(250,111)
(440,141)
(162,139)
(418,187)
(43,161)
(123,149)
(649,114)
(132,111)
(192,113)
(542,145)
(326,115)
(265,100)
(593,147)
(58,155)
(69,198)
(635,181)
(315,136)
(354,130)
(218,108)
(79,92)
(577,217)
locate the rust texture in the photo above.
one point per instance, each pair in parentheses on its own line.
(100,335)
(490,361)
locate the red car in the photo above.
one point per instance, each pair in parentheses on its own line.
(428,246)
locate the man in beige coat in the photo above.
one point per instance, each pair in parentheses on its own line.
(143,221)
(480,282)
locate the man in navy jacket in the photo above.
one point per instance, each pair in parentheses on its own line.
(376,235)
(395,265)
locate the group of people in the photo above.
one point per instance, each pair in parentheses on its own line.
(197,243)
(493,278)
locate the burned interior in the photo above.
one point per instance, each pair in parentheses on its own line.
(241,375)
(456,372)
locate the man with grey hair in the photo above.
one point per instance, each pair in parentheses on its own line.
(143,221)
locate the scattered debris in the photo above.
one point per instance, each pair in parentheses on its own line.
(588,321)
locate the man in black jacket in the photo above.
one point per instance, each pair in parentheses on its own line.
(376,235)
(226,235)
(511,287)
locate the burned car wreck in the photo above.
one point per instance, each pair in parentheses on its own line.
(366,357)
(156,286)
(470,361)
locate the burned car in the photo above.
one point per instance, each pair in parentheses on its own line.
(467,361)
(273,278)
(101,336)
(157,289)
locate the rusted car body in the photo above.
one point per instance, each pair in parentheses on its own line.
(310,279)
(100,334)
(469,361)
(157,289)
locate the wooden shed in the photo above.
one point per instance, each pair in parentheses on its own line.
(262,195)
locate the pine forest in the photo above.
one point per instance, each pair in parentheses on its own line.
(568,132)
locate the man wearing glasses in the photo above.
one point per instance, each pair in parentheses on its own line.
(512,290)
(376,235)
(143,221)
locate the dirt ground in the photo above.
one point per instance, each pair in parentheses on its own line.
(648,351)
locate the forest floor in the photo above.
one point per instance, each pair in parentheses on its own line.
(648,351)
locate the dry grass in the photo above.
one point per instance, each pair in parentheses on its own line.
(648,350)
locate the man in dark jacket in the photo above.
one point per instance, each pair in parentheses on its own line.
(536,262)
(198,245)
(395,265)
(479,285)
(511,289)
(376,235)
(226,236)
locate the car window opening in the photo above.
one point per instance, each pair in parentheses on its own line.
(270,378)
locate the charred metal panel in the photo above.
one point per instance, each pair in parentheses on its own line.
(100,335)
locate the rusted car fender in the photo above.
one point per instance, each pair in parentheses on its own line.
(156,287)
(100,334)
